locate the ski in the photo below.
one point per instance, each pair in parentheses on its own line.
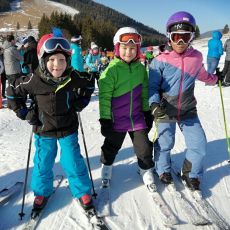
(167,215)
(191,213)
(203,205)
(103,199)
(7,193)
(98,223)
(36,216)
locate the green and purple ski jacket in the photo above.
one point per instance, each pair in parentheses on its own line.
(123,95)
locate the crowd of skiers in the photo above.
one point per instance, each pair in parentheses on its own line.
(131,98)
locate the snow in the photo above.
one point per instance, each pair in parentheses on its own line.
(64,8)
(132,206)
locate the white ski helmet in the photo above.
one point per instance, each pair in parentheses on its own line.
(76,38)
(123,31)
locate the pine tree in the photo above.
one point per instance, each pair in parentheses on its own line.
(197,32)
(29,26)
(226,29)
(18,26)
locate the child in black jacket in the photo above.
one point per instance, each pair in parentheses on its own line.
(58,93)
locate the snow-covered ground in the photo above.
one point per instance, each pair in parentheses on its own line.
(132,206)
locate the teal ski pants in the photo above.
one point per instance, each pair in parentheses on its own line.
(71,161)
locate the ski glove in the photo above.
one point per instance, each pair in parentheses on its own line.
(21,113)
(85,92)
(106,126)
(158,111)
(32,118)
(148,120)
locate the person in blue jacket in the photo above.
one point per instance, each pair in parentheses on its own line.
(215,50)
(76,57)
(93,60)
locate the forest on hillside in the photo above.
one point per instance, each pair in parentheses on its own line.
(5,5)
(97,12)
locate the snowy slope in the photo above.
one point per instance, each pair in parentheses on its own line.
(132,207)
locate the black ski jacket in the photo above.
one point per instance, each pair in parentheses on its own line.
(55,105)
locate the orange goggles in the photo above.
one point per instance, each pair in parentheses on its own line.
(126,38)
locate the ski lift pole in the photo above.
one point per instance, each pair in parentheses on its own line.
(225,122)
(86,153)
(21,214)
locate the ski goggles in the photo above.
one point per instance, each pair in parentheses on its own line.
(184,36)
(53,43)
(126,38)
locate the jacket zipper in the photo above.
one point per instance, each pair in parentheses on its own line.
(180,90)
(131,103)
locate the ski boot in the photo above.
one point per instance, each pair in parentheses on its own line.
(106,175)
(166,178)
(148,179)
(39,203)
(86,202)
(192,183)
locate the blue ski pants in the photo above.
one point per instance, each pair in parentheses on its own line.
(71,161)
(212,64)
(195,141)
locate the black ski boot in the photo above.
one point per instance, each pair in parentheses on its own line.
(39,203)
(192,183)
(86,202)
(166,178)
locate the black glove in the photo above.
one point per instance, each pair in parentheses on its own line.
(219,74)
(85,92)
(32,118)
(21,113)
(148,119)
(158,111)
(106,126)
(81,103)
(83,79)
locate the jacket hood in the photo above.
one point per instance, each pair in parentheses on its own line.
(7,45)
(216,35)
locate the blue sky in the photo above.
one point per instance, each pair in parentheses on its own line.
(209,14)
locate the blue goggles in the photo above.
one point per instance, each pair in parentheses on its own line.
(52,44)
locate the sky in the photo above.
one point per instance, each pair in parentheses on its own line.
(209,14)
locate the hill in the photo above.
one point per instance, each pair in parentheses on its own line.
(208,34)
(30,10)
(89,8)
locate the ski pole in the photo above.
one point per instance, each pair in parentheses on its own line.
(225,122)
(86,153)
(21,214)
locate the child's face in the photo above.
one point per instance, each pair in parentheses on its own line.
(56,65)
(179,48)
(128,51)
